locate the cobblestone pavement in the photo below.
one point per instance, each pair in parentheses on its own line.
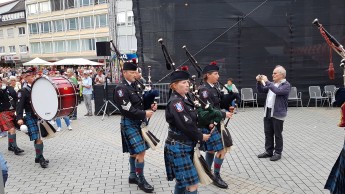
(89,158)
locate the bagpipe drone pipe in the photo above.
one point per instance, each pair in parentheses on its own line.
(206,118)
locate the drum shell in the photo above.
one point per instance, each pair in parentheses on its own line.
(66,94)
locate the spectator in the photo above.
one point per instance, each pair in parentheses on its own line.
(100,78)
(87,92)
(71,77)
(275,111)
(59,124)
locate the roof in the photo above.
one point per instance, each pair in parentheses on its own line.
(20,6)
(6,3)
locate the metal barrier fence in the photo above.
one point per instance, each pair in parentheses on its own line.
(163,89)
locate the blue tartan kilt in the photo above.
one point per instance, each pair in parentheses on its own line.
(30,121)
(179,164)
(214,143)
(132,140)
(336,180)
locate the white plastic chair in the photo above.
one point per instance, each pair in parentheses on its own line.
(247,95)
(315,93)
(295,96)
(329,91)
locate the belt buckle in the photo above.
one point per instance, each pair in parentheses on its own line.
(173,142)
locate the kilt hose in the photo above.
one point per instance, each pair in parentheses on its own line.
(7,119)
(214,143)
(30,120)
(132,140)
(179,164)
(336,180)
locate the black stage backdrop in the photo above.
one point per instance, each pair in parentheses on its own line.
(276,33)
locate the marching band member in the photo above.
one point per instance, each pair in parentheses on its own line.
(8,99)
(130,102)
(210,94)
(30,119)
(183,135)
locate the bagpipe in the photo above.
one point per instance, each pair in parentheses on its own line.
(210,115)
(333,44)
(338,48)
(149,96)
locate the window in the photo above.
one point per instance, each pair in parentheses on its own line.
(10,32)
(32,9)
(1,33)
(59,46)
(45,27)
(73,45)
(70,4)
(88,44)
(44,6)
(57,5)
(58,26)
(72,24)
(23,48)
(2,49)
(121,19)
(47,47)
(101,39)
(100,1)
(130,18)
(35,48)
(86,22)
(12,49)
(127,43)
(21,30)
(85,2)
(101,20)
(33,28)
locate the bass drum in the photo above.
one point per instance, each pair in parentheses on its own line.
(53,97)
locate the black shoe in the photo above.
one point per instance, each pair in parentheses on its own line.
(43,162)
(16,150)
(218,181)
(264,155)
(133,180)
(144,185)
(276,157)
(37,160)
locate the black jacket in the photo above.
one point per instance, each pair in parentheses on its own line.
(24,102)
(181,114)
(212,95)
(8,98)
(129,99)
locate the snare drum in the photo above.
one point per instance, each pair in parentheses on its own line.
(53,97)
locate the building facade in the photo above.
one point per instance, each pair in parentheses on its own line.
(13,34)
(61,29)
(122,26)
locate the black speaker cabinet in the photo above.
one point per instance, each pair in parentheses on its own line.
(103,48)
(99,96)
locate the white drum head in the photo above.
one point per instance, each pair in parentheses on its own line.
(44,99)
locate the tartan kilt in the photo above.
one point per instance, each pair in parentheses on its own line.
(336,180)
(179,164)
(7,120)
(214,143)
(132,140)
(30,121)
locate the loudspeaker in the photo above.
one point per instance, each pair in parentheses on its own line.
(103,48)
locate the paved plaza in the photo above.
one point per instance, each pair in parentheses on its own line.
(89,158)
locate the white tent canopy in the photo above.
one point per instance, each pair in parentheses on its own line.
(37,61)
(76,61)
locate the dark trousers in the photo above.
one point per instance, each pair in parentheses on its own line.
(273,130)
